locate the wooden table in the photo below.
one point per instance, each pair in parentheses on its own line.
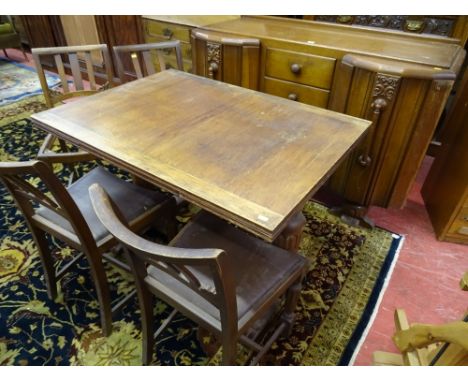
(250,158)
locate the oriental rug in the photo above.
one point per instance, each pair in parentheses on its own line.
(347,274)
(18,81)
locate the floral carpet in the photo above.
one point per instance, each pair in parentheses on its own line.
(18,81)
(347,271)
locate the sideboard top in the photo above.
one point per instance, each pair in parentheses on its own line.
(191,20)
(419,49)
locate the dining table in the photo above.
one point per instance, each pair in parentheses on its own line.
(250,158)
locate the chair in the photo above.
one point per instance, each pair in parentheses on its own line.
(225,290)
(90,54)
(143,53)
(69,216)
(9,36)
(426,344)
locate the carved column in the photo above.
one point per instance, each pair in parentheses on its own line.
(383,94)
(214,60)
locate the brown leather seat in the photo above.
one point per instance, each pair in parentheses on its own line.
(224,279)
(133,200)
(245,251)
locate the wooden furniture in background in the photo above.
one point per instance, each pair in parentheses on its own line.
(400,81)
(440,25)
(232,60)
(217,275)
(164,28)
(245,156)
(68,215)
(9,36)
(49,31)
(43,31)
(70,89)
(445,190)
(146,54)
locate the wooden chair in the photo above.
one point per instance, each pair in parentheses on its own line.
(142,53)
(90,54)
(225,290)
(428,345)
(69,216)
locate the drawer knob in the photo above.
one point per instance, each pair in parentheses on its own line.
(364,160)
(295,68)
(212,69)
(168,33)
(292,96)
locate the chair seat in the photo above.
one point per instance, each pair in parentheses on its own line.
(132,200)
(258,267)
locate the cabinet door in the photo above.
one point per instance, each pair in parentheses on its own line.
(43,31)
(404,111)
(232,60)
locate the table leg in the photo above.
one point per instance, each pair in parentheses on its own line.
(290,237)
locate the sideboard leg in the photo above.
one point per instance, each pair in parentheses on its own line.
(353,214)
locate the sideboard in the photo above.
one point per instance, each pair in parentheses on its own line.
(399,81)
(163,28)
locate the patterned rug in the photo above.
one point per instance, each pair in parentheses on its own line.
(18,81)
(348,268)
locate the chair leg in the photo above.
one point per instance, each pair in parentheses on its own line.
(147,324)
(24,53)
(292,297)
(102,290)
(229,350)
(47,261)
(145,301)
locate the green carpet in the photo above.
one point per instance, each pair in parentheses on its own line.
(348,268)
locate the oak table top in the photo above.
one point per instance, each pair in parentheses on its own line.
(248,157)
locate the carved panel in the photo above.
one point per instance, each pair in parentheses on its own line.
(385,86)
(214,58)
(438,25)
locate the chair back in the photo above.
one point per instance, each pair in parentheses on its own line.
(148,55)
(170,260)
(74,54)
(26,195)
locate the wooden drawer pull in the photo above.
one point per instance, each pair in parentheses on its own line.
(295,68)
(292,96)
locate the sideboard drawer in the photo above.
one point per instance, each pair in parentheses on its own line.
(167,31)
(303,68)
(185,47)
(296,92)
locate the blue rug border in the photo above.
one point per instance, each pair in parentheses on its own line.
(26,94)
(371,304)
